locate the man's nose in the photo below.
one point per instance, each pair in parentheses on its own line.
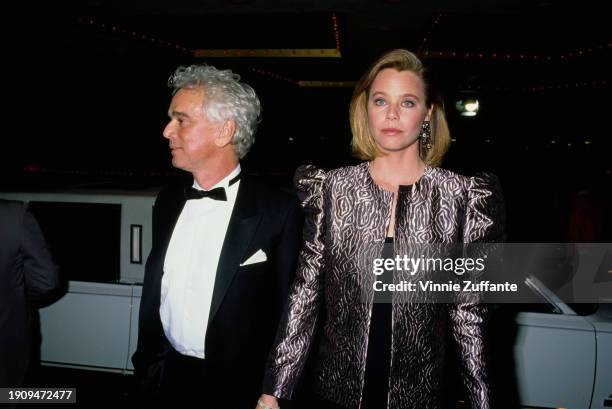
(168,130)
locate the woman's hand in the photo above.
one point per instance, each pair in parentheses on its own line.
(267,402)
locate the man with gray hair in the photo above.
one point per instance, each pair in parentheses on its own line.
(224,253)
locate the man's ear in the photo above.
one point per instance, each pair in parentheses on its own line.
(227,133)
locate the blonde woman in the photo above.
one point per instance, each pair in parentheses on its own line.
(372,354)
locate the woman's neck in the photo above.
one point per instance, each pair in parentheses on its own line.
(393,170)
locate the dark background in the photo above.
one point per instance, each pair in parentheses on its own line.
(86,95)
(85,100)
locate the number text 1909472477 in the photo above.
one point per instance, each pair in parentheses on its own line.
(65,395)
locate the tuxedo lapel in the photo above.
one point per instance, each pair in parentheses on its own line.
(240,231)
(170,219)
(169,214)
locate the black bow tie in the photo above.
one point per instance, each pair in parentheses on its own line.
(217,193)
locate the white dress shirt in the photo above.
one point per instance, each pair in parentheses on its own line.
(190,268)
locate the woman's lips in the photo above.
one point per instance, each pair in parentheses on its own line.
(391,131)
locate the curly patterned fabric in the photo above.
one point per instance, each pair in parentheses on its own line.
(347,216)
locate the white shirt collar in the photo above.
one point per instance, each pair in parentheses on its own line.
(223,182)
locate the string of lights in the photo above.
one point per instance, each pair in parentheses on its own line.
(426,54)
(335,53)
(273,75)
(336,31)
(538,87)
(459,55)
(134,34)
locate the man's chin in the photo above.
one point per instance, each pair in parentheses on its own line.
(178,165)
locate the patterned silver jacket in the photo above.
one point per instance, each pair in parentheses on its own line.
(347,217)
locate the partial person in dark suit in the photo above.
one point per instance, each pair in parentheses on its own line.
(224,253)
(28,277)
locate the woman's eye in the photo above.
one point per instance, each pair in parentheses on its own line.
(408,103)
(379,101)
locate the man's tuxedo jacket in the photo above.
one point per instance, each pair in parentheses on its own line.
(247,300)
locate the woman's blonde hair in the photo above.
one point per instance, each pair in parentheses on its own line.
(363,144)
